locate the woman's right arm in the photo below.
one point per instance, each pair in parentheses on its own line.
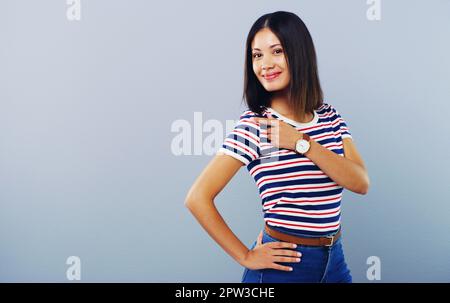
(200,201)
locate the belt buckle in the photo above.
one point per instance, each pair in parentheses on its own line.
(332,241)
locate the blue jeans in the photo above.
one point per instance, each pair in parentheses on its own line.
(318,264)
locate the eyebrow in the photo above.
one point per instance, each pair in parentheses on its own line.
(270,46)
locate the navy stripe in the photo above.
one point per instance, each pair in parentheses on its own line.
(318,207)
(301,194)
(301,219)
(293,183)
(303,233)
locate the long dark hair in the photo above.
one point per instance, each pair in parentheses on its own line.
(304,92)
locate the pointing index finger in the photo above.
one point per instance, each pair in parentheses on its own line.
(263,120)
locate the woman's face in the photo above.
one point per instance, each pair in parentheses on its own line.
(269,62)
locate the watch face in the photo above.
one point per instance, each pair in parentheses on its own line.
(302,146)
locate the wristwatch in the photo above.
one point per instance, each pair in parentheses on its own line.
(303,144)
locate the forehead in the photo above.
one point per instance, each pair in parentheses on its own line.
(264,39)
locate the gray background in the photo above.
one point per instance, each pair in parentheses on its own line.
(86,111)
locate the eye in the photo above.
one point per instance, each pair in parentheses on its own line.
(278,50)
(254,55)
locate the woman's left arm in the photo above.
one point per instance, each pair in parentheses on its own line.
(348,171)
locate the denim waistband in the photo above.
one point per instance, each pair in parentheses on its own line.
(267,236)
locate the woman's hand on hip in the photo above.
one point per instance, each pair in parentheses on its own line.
(265,255)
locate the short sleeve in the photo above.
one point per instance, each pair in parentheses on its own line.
(339,122)
(243,142)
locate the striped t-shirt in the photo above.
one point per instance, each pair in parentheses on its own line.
(297,197)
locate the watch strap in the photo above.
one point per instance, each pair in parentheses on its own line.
(306,137)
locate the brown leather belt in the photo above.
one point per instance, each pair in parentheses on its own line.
(323,241)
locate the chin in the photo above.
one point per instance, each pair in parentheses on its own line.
(274,88)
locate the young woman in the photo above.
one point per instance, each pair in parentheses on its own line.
(299,151)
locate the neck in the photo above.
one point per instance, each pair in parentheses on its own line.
(280,103)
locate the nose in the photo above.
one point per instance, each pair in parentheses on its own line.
(266,63)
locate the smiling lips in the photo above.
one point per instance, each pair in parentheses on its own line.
(272,76)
